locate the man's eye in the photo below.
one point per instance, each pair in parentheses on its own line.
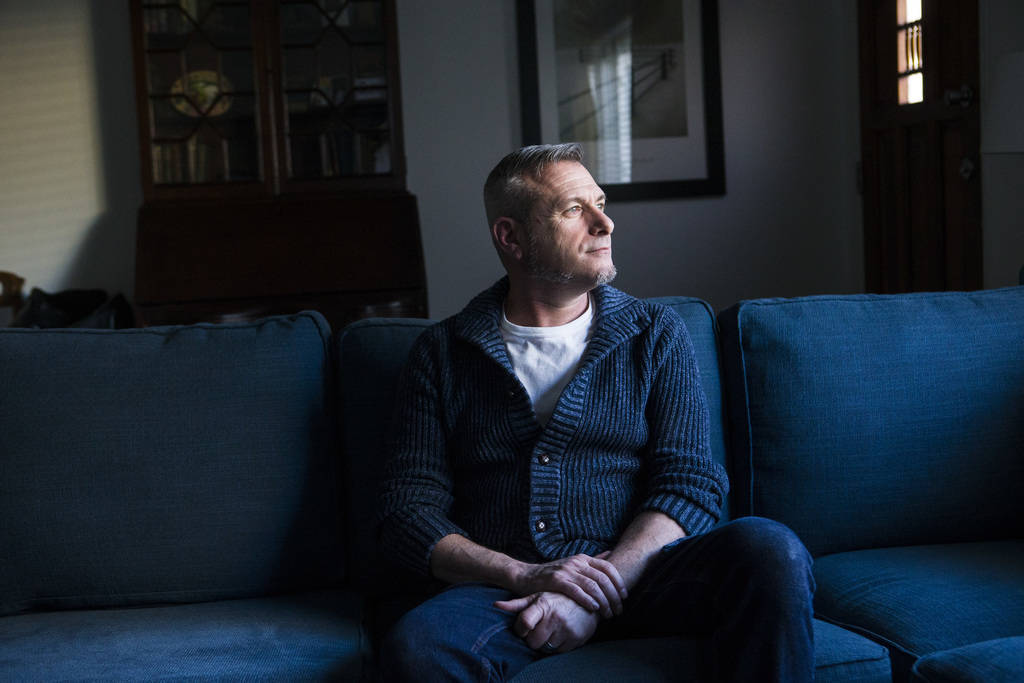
(600,205)
(574,209)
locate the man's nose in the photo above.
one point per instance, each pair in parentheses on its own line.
(601,223)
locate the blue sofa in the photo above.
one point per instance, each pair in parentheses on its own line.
(198,502)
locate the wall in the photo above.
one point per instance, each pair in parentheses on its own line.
(460,115)
(1001,23)
(789,223)
(68,134)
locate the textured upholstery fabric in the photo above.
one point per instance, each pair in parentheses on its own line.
(923,599)
(313,636)
(991,661)
(370,355)
(867,421)
(171,464)
(839,656)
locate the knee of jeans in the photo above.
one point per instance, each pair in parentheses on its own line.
(773,555)
(409,650)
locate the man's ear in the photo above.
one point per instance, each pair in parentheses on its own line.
(508,236)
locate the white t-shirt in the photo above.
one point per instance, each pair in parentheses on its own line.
(545,358)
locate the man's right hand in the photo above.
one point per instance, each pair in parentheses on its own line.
(592,582)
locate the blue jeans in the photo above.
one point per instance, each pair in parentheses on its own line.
(745,586)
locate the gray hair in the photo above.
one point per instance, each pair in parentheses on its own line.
(508,191)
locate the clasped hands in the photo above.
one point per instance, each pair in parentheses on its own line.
(564,600)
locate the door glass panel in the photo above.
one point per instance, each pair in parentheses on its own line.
(909,51)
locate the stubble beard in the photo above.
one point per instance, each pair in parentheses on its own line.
(536,267)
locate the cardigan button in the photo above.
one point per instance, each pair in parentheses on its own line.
(540,525)
(543,459)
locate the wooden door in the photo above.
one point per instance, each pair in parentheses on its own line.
(920,144)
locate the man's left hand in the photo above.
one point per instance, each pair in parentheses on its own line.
(551,622)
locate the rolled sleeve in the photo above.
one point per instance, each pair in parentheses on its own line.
(684,482)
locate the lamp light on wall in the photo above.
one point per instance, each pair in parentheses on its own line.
(1003,128)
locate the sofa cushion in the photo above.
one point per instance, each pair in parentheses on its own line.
(844,656)
(313,636)
(370,355)
(171,464)
(924,599)
(839,656)
(866,421)
(991,661)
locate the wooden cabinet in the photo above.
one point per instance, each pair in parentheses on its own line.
(272,163)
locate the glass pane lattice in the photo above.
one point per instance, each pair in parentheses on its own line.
(335,88)
(909,51)
(202,99)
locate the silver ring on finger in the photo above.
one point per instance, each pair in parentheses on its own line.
(548,648)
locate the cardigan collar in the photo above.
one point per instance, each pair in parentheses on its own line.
(617,317)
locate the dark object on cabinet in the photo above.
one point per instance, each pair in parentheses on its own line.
(91,308)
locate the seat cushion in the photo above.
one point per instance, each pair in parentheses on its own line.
(843,656)
(839,656)
(991,661)
(312,636)
(172,464)
(925,599)
(871,421)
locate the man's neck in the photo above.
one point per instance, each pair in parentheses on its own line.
(544,307)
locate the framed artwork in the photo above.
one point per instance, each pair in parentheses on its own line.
(636,82)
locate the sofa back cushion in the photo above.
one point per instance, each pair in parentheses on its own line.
(173,464)
(371,354)
(867,421)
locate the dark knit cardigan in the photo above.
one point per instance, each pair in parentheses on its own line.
(468,456)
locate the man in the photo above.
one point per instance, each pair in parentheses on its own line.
(551,463)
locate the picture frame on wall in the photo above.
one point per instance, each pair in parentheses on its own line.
(636,82)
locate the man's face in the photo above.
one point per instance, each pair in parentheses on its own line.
(569,236)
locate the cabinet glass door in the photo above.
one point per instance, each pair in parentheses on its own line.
(334,76)
(204,113)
